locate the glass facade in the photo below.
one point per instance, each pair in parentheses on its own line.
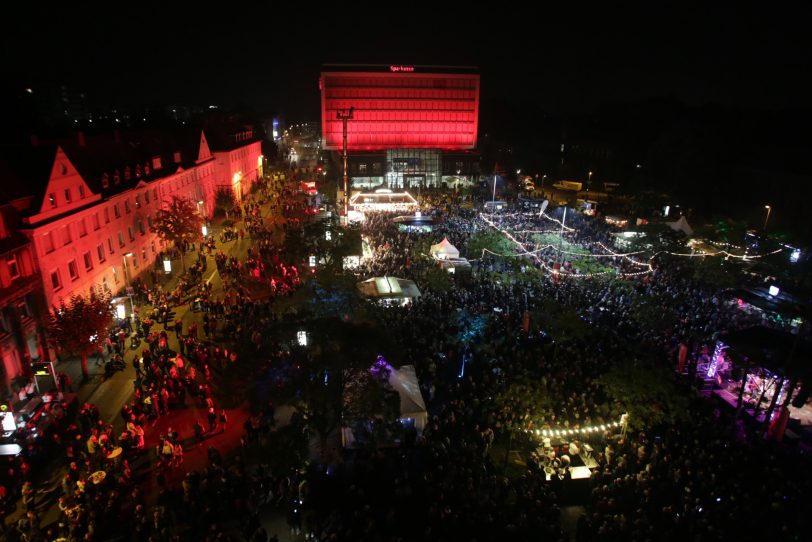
(407,168)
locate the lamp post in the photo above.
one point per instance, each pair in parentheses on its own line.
(767,217)
(127,280)
(344,115)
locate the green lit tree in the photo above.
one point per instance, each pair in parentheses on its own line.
(80,326)
(178,223)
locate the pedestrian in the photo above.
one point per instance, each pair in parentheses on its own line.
(223,419)
(212,416)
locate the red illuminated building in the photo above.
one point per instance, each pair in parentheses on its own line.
(21,332)
(411,126)
(87,204)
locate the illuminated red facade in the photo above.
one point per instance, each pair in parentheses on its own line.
(400,107)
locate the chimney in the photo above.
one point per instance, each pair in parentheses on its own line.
(34,140)
(81,137)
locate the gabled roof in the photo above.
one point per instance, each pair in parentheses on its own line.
(108,153)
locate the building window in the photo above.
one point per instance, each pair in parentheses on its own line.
(155,193)
(116,177)
(105,286)
(141,227)
(115,275)
(100,252)
(176,157)
(137,202)
(362,168)
(120,240)
(127,173)
(66,238)
(67,195)
(56,280)
(105,181)
(13,269)
(81,192)
(23,308)
(73,271)
(376,168)
(130,231)
(106,215)
(88,261)
(127,206)
(82,227)
(116,212)
(144,254)
(96,225)
(52,199)
(110,245)
(146,196)
(49,242)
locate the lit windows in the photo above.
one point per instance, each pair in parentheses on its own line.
(56,280)
(52,199)
(13,269)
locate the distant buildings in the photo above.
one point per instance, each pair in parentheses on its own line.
(78,214)
(412,126)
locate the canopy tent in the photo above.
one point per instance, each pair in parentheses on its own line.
(412,405)
(444,250)
(389,289)
(682,225)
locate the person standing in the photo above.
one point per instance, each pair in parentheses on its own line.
(223,419)
(212,416)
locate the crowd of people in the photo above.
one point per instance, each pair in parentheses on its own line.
(492,376)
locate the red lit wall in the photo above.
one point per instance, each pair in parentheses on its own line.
(400,110)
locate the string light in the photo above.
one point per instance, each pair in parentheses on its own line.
(577,430)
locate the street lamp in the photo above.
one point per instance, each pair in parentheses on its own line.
(344,115)
(768,216)
(127,280)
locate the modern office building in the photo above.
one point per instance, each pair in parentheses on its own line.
(411,126)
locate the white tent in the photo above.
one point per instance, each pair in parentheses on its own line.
(444,250)
(682,225)
(412,405)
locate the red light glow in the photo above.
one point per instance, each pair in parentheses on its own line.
(400,110)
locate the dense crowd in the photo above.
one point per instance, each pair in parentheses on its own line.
(492,376)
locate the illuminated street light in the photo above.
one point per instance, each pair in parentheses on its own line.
(768,216)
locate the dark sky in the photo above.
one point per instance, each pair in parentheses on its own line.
(530,60)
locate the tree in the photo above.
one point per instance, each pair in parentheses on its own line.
(179,223)
(224,199)
(647,392)
(492,241)
(79,327)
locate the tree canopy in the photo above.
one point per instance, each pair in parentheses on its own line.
(178,222)
(80,326)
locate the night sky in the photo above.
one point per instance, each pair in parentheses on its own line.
(531,62)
